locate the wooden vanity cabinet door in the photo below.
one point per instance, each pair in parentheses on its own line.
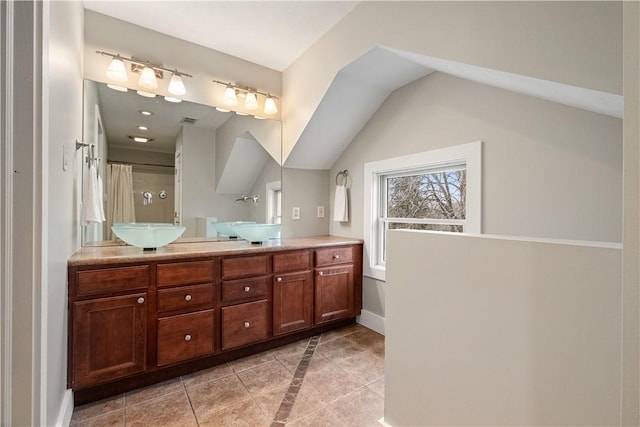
(292,302)
(334,292)
(109,338)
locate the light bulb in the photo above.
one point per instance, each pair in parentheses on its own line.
(223,110)
(146,94)
(118,88)
(148,78)
(251,102)
(172,99)
(117,71)
(176,86)
(230,97)
(270,105)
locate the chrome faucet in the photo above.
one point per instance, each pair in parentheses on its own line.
(244,198)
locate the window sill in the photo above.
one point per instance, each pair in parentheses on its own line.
(376,272)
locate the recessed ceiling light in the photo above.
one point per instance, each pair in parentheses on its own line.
(143,128)
(146,94)
(140,138)
(172,99)
(223,110)
(118,88)
(145,112)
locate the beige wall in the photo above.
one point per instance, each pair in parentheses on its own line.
(631,237)
(578,43)
(306,189)
(518,333)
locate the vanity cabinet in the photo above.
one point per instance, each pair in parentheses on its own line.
(334,284)
(141,319)
(292,292)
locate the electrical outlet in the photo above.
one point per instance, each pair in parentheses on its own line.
(320,211)
(296,213)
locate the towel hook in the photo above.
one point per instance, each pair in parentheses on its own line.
(344,174)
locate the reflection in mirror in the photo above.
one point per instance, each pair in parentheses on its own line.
(184,163)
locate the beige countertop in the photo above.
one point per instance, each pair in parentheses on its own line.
(96,255)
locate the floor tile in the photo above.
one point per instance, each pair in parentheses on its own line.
(206,375)
(291,362)
(338,333)
(377,387)
(368,340)
(265,377)
(306,402)
(153,391)
(360,408)
(339,349)
(363,367)
(167,411)
(295,349)
(244,414)
(110,419)
(216,395)
(329,383)
(251,361)
(100,407)
(320,418)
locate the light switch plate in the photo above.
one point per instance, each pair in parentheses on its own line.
(296,213)
(320,211)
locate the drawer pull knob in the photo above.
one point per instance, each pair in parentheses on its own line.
(322,273)
(140,300)
(336,256)
(187,297)
(247,324)
(247,288)
(279,279)
(187,337)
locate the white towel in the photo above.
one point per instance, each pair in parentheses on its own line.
(92,210)
(341,204)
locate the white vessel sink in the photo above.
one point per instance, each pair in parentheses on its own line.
(147,235)
(257,233)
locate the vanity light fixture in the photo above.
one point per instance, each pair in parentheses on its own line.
(251,98)
(172,99)
(223,110)
(118,88)
(149,73)
(146,94)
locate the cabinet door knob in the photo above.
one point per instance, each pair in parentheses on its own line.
(187,297)
(187,337)
(247,324)
(336,256)
(279,279)
(321,273)
(140,300)
(247,288)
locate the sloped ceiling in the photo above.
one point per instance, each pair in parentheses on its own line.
(361,87)
(243,167)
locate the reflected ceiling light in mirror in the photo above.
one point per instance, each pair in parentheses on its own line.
(145,112)
(146,94)
(260,117)
(176,85)
(116,70)
(241,114)
(142,127)
(172,99)
(223,110)
(141,139)
(118,88)
(270,105)
(149,73)
(251,102)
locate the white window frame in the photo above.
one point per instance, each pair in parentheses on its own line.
(470,154)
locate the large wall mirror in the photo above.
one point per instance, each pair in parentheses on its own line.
(197,166)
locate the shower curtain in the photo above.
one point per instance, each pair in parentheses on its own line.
(119,197)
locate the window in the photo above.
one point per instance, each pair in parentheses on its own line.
(436,190)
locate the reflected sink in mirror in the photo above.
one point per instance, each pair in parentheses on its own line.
(147,235)
(257,233)
(228,228)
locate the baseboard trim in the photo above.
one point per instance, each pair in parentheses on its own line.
(66,410)
(372,321)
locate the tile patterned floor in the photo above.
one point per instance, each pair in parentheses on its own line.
(334,380)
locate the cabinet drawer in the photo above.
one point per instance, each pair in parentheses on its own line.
(185,297)
(244,266)
(333,256)
(184,337)
(243,324)
(106,280)
(291,261)
(179,273)
(243,289)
